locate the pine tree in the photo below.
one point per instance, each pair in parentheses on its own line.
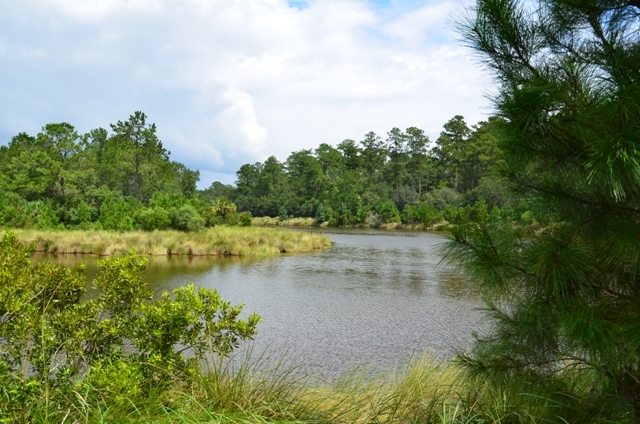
(564,301)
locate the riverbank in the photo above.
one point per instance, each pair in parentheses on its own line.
(267,221)
(425,391)
(217,241)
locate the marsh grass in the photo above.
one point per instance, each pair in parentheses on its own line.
(260,389)
(312,222)
(292,222)
(218,241)
(425,391)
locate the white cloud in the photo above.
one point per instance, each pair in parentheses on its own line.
(234,81)
(239,126)
(415,26)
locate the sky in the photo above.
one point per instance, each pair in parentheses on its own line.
(229,82)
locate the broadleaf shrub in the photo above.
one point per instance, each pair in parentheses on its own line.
(186,219)
(113,347)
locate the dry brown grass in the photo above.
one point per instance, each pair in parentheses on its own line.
(218,241)
(293,222)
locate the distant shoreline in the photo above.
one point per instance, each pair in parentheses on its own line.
(312,222)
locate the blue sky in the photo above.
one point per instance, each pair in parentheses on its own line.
(234,81)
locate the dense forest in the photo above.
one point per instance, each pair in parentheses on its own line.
(125,180)
(120,181)
(403,178)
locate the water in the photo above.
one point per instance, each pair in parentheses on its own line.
(375,298)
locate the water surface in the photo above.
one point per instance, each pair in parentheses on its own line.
(374,298)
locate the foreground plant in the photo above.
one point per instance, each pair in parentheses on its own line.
(61,353)
(565,302)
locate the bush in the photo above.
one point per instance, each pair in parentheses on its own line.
(403,196)
(81,215)
(320,213)
(13,210)
(117,214)
(365,215)
(44,216)
(153,219)
(282,214)
(388,212)
(186,219)
(443,197)
(244,219)
(113,347)
(423,214)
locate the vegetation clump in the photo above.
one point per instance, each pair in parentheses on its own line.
(62,354)
(218,241)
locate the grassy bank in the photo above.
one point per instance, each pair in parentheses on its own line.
(217,241)
(311,222)
(426,391)
(293,222)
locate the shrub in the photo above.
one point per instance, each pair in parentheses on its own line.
(117,214)
(283,215)
(80,215)
(388,212)
(186,219)
(320,213)
(423,214)
(115,346)
(244,219)
(366,216)
(13,210)
(153,219)
(44,216)
(443,197)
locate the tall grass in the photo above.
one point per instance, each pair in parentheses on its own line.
(292,222)
(246,390)
(425,391)
(312,222)
(218,241)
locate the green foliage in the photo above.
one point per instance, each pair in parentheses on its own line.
(495,215)
(44,215)
(402,169)
(283,215)
(13,210)
(223,211)
(563,300)
(61,352)
(72,172)
(424,213)
(186,219)
(156,218)
(388,212)
(441,198)
(117,214)
(320,213)
(81,215)
(494,190)
(244,219)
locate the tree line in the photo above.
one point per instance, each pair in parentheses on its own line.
(124,180)
(119,180)
(404,177)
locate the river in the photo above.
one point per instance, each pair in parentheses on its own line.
(374,298)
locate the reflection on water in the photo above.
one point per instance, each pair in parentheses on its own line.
(159,268)
(374,297)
